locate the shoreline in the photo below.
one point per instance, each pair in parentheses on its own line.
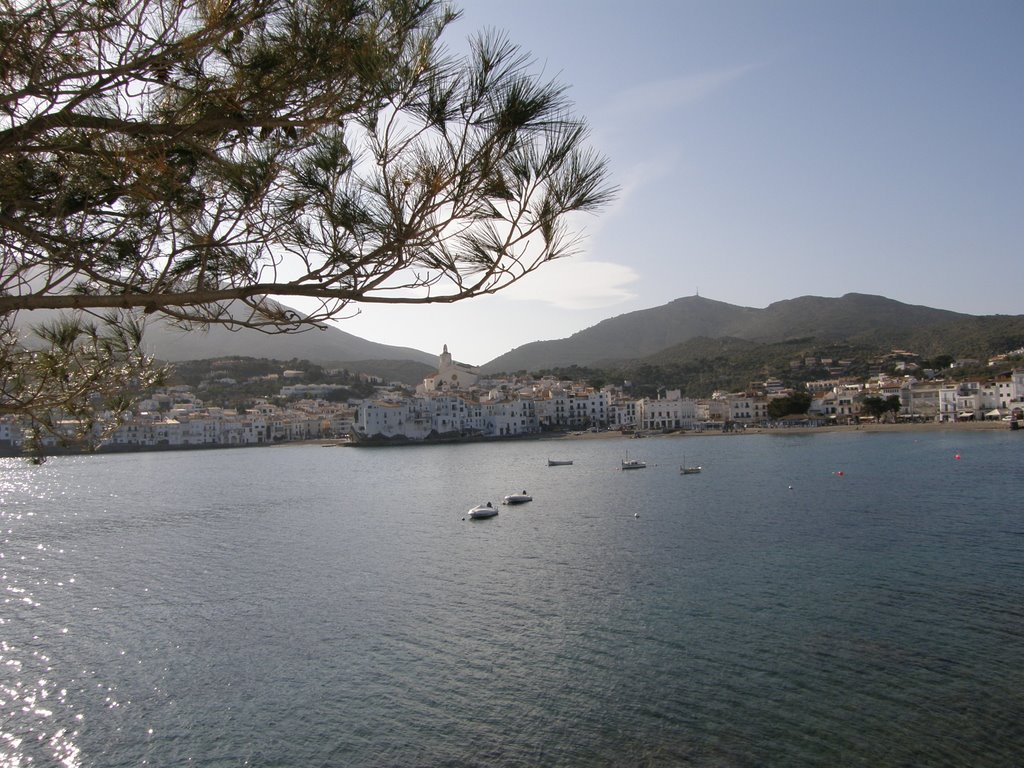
(931,426)
(958,426)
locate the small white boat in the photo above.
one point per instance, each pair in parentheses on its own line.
(482,511)
(688,470)
(559,462)
(633,464)
(517,498)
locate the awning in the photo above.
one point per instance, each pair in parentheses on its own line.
(994,412)
(966,414)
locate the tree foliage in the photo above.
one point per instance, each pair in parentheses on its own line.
(195,159)
(77,383)
(878,407)
(790,405)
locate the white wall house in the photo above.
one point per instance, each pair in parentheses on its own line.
(947,406)
(417,417)
(510,417)
(920,399)
(669,412)
(574,408)
(624,414)
(747,409)
(451,413)
(714,411)
(841,404)
(390,419)
(10,432)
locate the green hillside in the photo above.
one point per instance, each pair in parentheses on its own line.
(695,328)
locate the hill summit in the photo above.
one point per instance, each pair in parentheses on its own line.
(644,333)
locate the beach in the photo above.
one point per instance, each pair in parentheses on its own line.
(931,426)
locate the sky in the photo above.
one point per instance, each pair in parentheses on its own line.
(765,150)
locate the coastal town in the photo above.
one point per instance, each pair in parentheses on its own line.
(458,403)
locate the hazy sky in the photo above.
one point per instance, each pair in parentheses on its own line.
(767,150)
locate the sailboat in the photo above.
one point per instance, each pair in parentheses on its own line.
(685,470)
(628,463)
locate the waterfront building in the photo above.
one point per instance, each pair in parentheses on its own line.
(624,413)
(10,433)
(946,400)
(713,412)
(746,408)
(567,407)
(511,417)
(842,404)
(918,400)
(390,419)
(672,411)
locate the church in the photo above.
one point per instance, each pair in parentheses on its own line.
(450,375)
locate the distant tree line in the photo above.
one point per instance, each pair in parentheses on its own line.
(237,381)
(736,371)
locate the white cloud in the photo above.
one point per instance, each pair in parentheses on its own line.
(665,95)
(643,174)
(575,284)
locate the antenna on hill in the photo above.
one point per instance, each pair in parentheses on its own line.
(698,291)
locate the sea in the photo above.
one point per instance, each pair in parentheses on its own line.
(826,599)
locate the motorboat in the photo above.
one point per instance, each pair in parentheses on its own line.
(559,462)
(633,464)
(482,511)
(517,498)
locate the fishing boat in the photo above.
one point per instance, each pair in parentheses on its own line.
(628,463)
(688,470)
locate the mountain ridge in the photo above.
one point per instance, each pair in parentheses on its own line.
(327,346)
(645,333)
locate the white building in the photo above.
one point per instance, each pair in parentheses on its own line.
(920,399)
(571,408)
(670,412)
(447,414)
(745,408)
(510,417)
(450,375)
(390,419)
(624,414)
(841,405)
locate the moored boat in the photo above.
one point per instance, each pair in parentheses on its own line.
(628,463)
(559,462)
(517,498)
(482,511)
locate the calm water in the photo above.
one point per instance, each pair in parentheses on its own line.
(309,606)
